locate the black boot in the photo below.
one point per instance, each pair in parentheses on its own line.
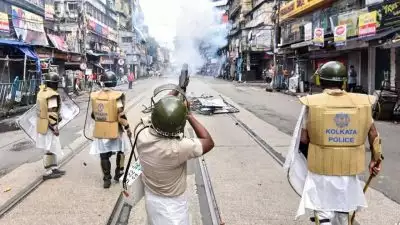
(119,169)
(106,167)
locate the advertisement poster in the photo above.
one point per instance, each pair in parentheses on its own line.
(340,35)
(351,20)
(4,25)
(307,31)
(319,37)
(28,26)
(367,24)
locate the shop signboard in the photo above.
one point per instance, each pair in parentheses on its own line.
(98,27)
(367,24)
(340,35)
(4,25)
(319,37)
(308,31)
(351,20)
(371,2)
(29,26)
(106,60)
(49,11)
(388,14)
(296,7)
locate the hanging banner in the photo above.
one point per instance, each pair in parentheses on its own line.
(319,37)
(351,20)
(367,24)
(308,31)
(340,35)
(28,27)
(49,12)
(4,25)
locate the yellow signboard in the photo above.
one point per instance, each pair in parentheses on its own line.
(4,25)
(367,23)
(296,7)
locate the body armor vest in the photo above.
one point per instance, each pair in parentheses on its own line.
(105,110)
(43,95)
(338,123)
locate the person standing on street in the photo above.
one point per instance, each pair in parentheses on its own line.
(130,79)
(352,79)
(163,152)
(184,77)
(110,121)
(335,126)
(49,106)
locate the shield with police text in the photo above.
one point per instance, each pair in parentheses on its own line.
(296,163)
(68,111)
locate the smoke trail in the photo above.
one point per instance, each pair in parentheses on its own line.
(198,22)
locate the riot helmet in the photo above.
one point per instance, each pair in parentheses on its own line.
(51,80)
(109,79)
(332,74)
(168,116)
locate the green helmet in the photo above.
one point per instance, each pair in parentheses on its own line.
(333,71)
(168,116)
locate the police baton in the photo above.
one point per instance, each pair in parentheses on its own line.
(372,175)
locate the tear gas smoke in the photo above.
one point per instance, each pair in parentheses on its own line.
(198,24)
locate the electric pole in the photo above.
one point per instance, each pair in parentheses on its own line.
(277,6)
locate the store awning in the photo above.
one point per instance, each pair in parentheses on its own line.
(58,42)
(302,44)
(24,48)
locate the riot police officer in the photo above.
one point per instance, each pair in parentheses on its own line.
(48,106)
(110,122)
(184,77)
(163,153)
(335,126)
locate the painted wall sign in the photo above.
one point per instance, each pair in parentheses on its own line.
(367,24)
(351,20)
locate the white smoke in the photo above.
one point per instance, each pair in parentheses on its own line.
(198,21)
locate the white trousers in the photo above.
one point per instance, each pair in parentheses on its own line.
(335,218)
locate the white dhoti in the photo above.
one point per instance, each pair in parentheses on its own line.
(49,143)
(100,146)
(332,197)
(166,210)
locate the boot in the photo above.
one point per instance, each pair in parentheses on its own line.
(106,167)
(119,169)
(58,171)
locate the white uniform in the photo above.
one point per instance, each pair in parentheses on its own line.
(330,196)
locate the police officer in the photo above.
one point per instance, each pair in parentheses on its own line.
(335,126)
(163,153)
(110,122)
(48,106)
(184,77)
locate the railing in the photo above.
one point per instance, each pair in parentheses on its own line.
(20,92)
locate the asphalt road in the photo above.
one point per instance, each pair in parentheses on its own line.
(17,149)
(282,111)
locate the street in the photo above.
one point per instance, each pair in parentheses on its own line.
(247,181)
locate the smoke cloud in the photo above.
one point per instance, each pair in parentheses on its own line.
(198,22)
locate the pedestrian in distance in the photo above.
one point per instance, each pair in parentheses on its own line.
(110,122)
(163,153)
(334,128)
(131,77)
(49,106)
(352,79)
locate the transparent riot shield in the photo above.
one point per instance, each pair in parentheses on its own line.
(89,122)
(69,110)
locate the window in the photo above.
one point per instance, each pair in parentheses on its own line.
(72,6)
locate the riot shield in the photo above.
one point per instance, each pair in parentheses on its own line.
(89,122)
(296,163)
(69,110)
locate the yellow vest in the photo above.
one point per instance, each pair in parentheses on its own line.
(105,110)
(43,95)
(338,123)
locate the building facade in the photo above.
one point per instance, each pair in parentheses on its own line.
(358,33)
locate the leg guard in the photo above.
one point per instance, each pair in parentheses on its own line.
(49,161)
(106,168)
(120,164)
